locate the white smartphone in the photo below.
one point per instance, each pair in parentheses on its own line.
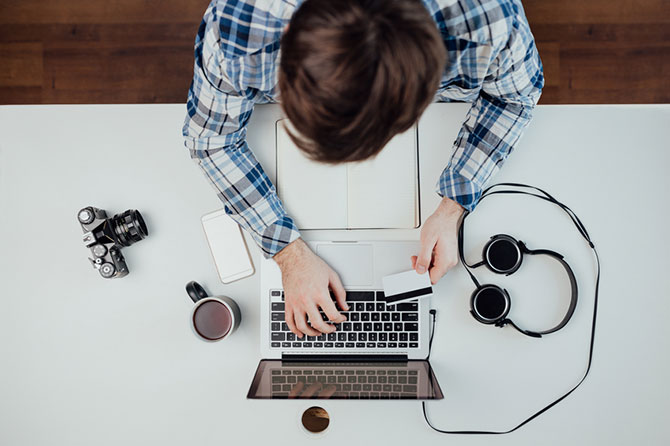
(227,245)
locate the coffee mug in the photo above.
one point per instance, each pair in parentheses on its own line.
(214,317)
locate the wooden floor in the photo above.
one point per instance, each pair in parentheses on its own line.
(133,51)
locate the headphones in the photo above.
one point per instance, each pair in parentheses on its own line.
(503,254)
(491,304)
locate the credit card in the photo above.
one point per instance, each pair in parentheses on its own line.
(407,286)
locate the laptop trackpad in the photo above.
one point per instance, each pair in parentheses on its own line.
(353,262)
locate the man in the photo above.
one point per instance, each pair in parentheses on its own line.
(350,74)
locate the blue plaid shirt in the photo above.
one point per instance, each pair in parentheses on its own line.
(492,62)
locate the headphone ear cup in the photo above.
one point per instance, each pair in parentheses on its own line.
(490,304)
(502,254)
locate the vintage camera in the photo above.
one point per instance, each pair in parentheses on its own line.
(106,236)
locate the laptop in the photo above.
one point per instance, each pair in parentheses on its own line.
(378,353)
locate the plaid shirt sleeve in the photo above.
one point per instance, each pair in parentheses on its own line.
(218,109)
(509,91)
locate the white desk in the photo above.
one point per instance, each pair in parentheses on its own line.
(91,361)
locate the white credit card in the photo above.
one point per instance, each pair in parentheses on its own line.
(407,286)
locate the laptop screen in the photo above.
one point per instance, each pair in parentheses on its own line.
(276,379)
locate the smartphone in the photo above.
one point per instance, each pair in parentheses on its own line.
(229,250)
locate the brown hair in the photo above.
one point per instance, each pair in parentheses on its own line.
(354,73)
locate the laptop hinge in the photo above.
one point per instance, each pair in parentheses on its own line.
(287,357)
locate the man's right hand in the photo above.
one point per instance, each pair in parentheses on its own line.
(306,279)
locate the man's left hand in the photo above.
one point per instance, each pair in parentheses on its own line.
(439,241)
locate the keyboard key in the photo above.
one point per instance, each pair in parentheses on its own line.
(369,307)
(360,345)
(275,293)
(341,336)
(278,306)
(349,345)
(367,326)
(413,345)
(381,344)
(414,337)
(393,337)
(395,316)
(404,337)
(275,326)
(307,344)
(321,337)
(371,345)
(388,326)
(290,336)
(296,344)
(358,326)
(311,338)
(360,306)
(386,317)
(355,317)
(412,379)
(328,345)
(380,306)
(411,326)
(393,345)
(402,345)
(347,326)
(397,326)
(377,326)
(413,317)
(365,317)
(339,344)
(318,344)
(286,344)
(275,345)
(372,337)
(409,388)
(284,326)
(362,337)
(277,317)
(380,296)
(278,336)
(375,317)
(360,296)
(409,306)
(331,336)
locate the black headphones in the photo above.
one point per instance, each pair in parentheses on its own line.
(503,254)
(490,304)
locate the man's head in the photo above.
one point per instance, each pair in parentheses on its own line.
(354,73)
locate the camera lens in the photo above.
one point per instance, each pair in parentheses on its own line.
(129,227)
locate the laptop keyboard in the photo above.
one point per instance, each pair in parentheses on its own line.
(371,324)
(349,383)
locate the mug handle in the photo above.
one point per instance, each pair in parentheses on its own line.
(195,291)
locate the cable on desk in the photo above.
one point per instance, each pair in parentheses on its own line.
(582,230)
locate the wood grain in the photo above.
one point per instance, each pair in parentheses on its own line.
(141,51)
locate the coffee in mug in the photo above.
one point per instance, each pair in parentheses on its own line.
(214,317)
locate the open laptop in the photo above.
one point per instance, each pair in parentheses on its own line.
(379,352)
